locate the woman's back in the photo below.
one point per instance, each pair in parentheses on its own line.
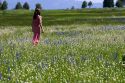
(36,24)
(36,21)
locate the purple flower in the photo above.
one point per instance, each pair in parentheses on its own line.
(0,76)
(47,41)
(107,64)
(9,78)
(54,60)
(8,69)
(100,57)
(115,56)
(18,55)
(60,33)
(1,50)
(44,66)
(83,58)
(71,60)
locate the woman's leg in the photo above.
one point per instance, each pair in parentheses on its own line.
(38,37)
(34,38)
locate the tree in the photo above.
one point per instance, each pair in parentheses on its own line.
(72,8)
(4,5)
(84,4)
(38,5)
(108,3)
(119,3)
(26,6)
(0,5)
(111,3)
(90,4)
(18,6)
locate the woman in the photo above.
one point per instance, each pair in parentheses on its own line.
(36,26)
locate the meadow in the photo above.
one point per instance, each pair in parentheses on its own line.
(78,46)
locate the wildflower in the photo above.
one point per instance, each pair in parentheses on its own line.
(83,58)
(71,60)
(9,69)
(0,76)
(44,65)
(107,64)
(9,78)
(47,41)
(123,59)
(116,56)
(99,58)
(18,55)
(1,50)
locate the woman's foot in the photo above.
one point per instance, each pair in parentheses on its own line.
(35,43)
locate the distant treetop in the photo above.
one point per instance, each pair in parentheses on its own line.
(108,3)
(18,6)
(26,6)
(4,5)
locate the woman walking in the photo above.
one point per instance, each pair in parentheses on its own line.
(36,26)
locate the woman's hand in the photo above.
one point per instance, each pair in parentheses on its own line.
(42,30)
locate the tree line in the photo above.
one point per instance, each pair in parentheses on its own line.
(4,6)
(110,3)
(85,4)
(106,3)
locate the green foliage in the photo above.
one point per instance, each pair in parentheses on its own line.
(72,8)
(90,4)
(123,59)
(4,5)
(0,5)
(108,3)
(18,6)
(119,3)
(26,6)
(84,4)
(38,5)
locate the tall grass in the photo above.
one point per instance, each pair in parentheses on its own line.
(70,53)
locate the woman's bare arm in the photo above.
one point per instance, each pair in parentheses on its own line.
(41,24)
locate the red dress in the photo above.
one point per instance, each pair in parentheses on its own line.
(36,28)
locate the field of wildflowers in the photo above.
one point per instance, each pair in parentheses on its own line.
(65,54)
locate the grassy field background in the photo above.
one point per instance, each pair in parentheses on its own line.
(78,46)
(64,17)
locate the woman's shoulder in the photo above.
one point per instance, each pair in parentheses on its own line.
(39,16)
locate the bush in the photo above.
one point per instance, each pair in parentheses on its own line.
(18,6)
(84,4)
(119,3)
(90,4)
(108,3)
(4,5)
(26,6)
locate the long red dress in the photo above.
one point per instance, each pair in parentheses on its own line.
(36,28)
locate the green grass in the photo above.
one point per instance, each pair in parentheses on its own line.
(74,53)
(75,48)
(64,17)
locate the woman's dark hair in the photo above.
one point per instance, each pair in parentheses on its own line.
(36,13)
